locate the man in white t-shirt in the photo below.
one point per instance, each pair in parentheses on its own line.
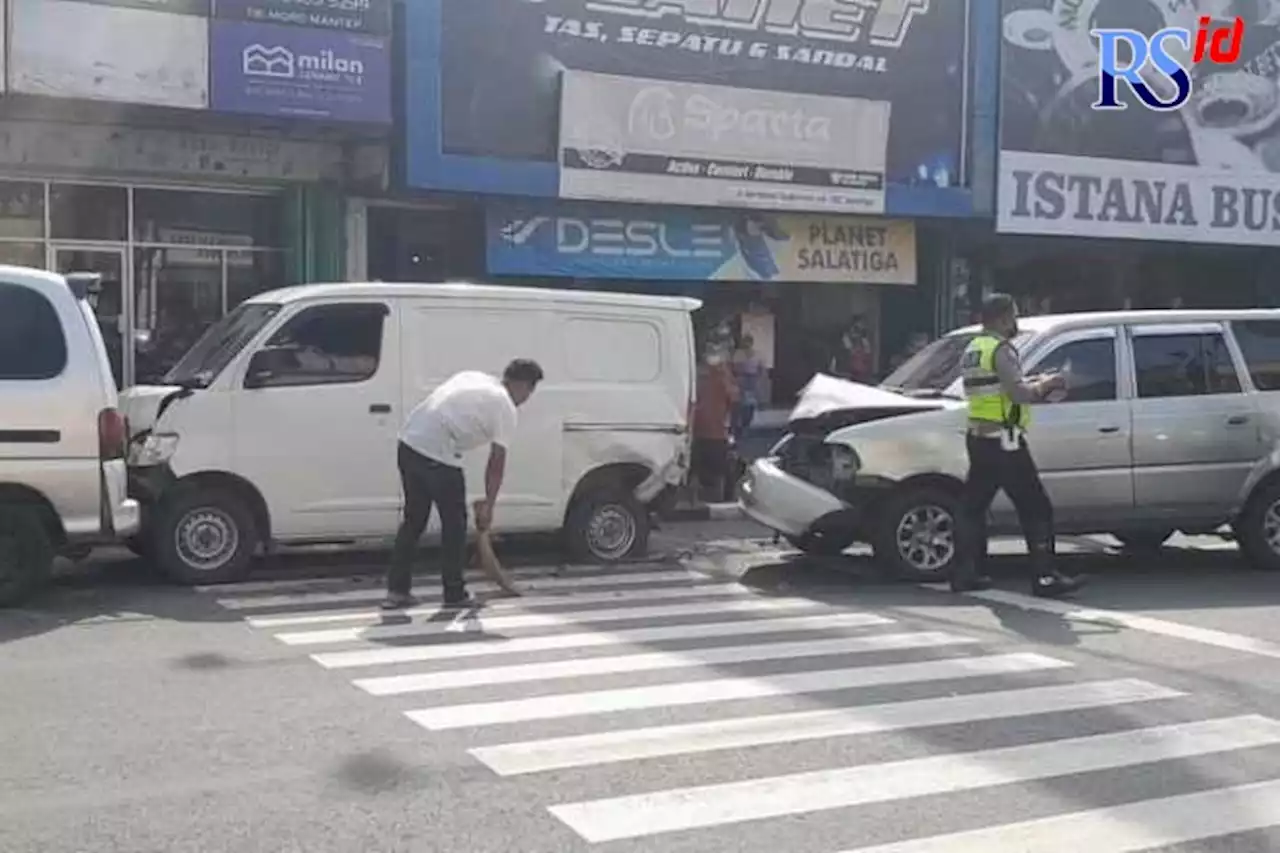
(468,411)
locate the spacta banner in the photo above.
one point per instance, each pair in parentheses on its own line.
(1179,141)
(483,79)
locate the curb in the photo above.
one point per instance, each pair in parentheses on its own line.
(707,512)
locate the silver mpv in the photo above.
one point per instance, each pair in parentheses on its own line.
(1170,421)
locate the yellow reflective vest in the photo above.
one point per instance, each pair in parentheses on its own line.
(987,401)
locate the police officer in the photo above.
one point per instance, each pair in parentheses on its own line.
(999,458)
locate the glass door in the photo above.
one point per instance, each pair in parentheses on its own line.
(111,310)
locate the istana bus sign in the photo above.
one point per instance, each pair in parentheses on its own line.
(1207,172)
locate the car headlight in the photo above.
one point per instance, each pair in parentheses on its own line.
(156,449)
(844,462)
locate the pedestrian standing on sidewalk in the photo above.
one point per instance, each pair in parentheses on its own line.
(999,457)
(471,409)
(748,372)
(716,395)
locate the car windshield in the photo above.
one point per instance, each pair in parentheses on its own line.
(219,344)
(933,370)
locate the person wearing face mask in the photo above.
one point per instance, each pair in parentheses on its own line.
(999,458)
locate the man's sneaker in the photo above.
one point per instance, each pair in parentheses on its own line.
(462,602)
(1055,586)
(973,584)
(398,601)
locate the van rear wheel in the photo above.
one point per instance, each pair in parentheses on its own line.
(204,536)
(607,526)
(26,554)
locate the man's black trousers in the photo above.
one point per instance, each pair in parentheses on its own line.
(427,482)
(991,469)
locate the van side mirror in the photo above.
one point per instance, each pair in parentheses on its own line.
(261,370)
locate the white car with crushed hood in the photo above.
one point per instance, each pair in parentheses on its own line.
(1170,422)
(279,427)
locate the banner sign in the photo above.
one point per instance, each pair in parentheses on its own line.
(585,240)
(364,16)
(483,99)
(274,70)
(1206,172)
(634,139)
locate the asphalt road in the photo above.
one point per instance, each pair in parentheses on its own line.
(739,698)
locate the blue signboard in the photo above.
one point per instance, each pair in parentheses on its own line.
(589,240)
(277,70)
(482,105)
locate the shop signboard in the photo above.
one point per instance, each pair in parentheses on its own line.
(1207,171)
(637,139)
(363,16)
(278,70)
(130,51)
(483,102)
(587,240)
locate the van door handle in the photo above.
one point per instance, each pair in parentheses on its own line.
(380,409)
(1237,420)
(1108,429)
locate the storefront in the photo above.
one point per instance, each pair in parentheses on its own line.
(192,153)
(801,181)
(1132,208)
(177,246)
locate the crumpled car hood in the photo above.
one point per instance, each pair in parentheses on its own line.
(828,403)
(142,405)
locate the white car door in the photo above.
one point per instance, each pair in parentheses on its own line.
(1081,440)
(316,419)
(1196,433)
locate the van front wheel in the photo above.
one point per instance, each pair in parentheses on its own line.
(607,526)
(204,536)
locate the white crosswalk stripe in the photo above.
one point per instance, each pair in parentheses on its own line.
(659,671)
(630,744)
(695,631)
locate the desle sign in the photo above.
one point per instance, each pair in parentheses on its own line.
(1221,44)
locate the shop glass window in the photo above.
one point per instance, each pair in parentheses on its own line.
(22,211)
(177,296)
(1090,367)
(206,219)
(251,273)
(1260,342)
(1183,365)
(325,345)
(85,212)
(32,346)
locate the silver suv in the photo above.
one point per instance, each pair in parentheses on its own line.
(62,438)
(1170,421)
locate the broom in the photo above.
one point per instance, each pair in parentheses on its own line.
(487,561)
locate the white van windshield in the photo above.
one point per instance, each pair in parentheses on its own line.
(930,372)
(219,345)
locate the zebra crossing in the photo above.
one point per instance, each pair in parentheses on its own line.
(634,705)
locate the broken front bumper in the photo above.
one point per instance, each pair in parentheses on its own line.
(782,501)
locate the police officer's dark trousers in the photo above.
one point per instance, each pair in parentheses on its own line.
(991,469)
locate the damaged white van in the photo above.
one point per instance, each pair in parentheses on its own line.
(279,427)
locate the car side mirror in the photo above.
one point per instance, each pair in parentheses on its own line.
(261,370)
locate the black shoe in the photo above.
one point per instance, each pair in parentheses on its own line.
(1055,586)
(460,602)
(974,584)
(398,601)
